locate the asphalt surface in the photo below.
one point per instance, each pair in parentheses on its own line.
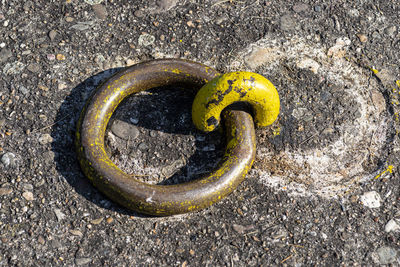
(324,190)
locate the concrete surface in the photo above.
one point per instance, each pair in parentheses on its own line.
(324,189)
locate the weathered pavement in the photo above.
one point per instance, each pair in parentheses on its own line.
(324,189)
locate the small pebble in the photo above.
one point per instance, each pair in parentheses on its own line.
(386,255)
(60,57)
(28,195)
(69,19)
(130,62)
(43,117)
(378,100)
(354,13)
(300,7)
(240,229)
(208,148)
(317,8)
(362,37)
(100,11)
(27,187)
(41,240)
(51,57)
(82,261)
(146,39)
(142,146)
(93,2)
(134,120)
(200,138)
(13,68)
(62,86)
(190,24)
(83,25)
(5,54)
(8,159)
(138,13)
(124,130)
(26,52)
(96,221)
(52,35)
(392,226)
(33,67)
(5,191)
(391,31)
(43,88)
(45,139)
(23,90)
(60,216)
(371,199)
(55,243)
(386,76)
(323,235)
(180,250)
(165,5)
(288,22)
(76,232)
(376,35)
(109,220)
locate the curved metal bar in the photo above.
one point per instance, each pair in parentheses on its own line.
(160,200)
(239,86)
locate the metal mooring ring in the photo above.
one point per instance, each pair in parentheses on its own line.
(150,199)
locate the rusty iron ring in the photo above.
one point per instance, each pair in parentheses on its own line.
(160,200)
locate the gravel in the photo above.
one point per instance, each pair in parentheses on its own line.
(55,53)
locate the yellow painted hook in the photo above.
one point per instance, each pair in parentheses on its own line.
(233,87)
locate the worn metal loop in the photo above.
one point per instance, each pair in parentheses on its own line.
(160,199)
(238,86)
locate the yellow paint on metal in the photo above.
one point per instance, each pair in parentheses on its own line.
(96,118)
(276,131)
(234,87)
(375,71)
(388,169)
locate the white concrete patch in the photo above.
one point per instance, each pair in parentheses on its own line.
(371,199)
(338,167)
